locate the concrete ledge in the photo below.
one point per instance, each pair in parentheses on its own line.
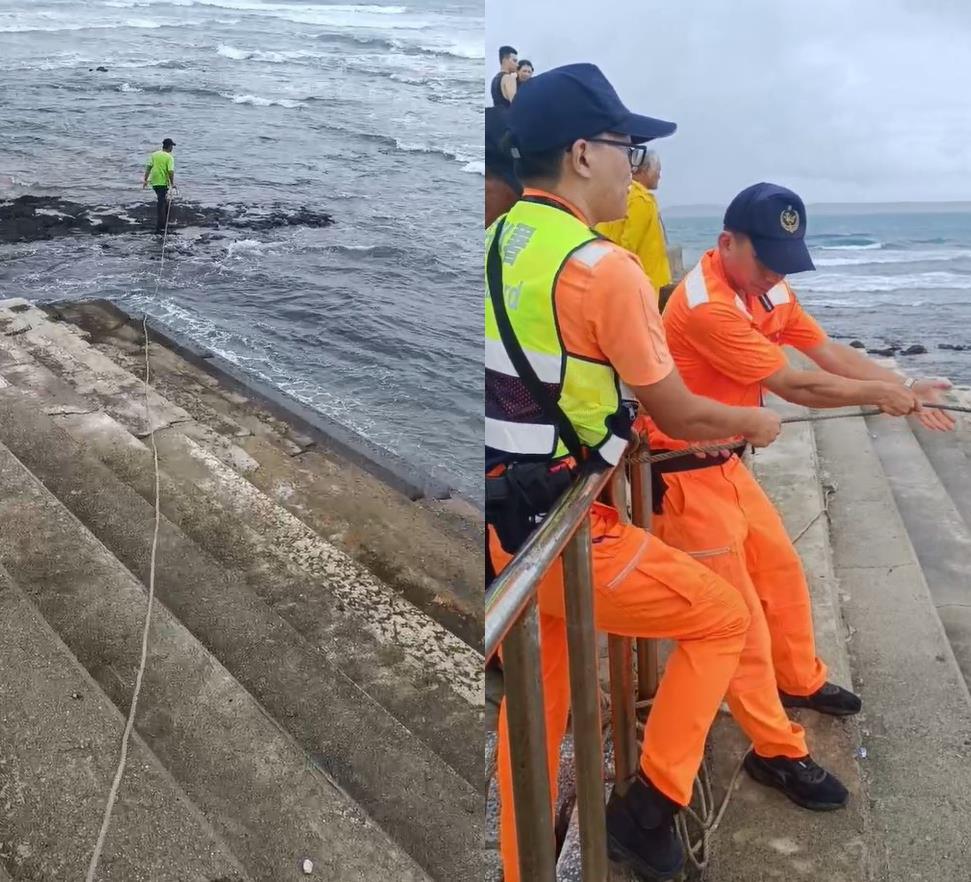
(384,465)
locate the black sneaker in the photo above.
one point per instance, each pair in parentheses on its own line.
(828,699)
(804,782)
(640,831)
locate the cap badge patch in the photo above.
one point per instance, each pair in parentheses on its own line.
(789,219)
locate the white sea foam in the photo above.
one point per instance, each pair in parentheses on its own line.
(458,50)
(51,27)
(232,52)
(833,283)
(259,101)
(465,155)
(865,257)
(236,54)
(869,246)
(333,15)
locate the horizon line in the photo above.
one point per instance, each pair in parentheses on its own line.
(831,202)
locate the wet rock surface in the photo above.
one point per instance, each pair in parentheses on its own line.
(37,218)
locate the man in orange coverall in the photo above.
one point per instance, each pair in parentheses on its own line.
(726,323)
(575,145)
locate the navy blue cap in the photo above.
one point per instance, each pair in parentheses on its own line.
(774,218)
(575,101)
(498,160)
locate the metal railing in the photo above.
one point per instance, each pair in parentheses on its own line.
(512,623)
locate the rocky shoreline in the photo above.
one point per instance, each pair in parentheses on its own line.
(914,349)
(39,218)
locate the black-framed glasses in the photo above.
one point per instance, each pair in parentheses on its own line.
(636,153)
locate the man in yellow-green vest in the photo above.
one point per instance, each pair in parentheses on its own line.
(160,173)
(574,342)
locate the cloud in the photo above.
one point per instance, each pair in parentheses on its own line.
(843,102)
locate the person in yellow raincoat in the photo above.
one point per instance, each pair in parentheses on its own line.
(641,231)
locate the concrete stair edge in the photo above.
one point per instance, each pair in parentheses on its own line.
(916,706)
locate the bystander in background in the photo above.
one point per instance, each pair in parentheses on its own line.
(503,86)
(641,231)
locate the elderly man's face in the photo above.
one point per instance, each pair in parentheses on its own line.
(649,175)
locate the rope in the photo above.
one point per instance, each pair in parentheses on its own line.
(643,453)
(130,722)
(707,818)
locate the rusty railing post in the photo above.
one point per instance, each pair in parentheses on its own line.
(641,508)
(585,701)
(527,748)
(620,660)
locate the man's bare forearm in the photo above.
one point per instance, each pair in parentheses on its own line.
(824,389)
(845,361)
(703,419)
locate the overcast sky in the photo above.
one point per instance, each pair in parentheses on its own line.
(859,101)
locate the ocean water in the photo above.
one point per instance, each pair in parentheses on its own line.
(370,112)
(894,279)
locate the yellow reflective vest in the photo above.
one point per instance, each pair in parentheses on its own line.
(537,239)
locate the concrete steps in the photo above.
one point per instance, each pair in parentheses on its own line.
(253,782)
(58,752)
(429,551)
(950,455)
(939,533)
(917,712)
(290,746)
(426,676)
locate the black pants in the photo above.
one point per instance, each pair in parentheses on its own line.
(162,209)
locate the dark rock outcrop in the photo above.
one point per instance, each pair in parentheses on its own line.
(35,218)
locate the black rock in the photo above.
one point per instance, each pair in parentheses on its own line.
(35,218)
(102,69)
(954,347)
(856,344)
(916,349)
(890,351)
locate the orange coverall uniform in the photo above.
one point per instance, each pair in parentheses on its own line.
(725,347)
(642,587)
